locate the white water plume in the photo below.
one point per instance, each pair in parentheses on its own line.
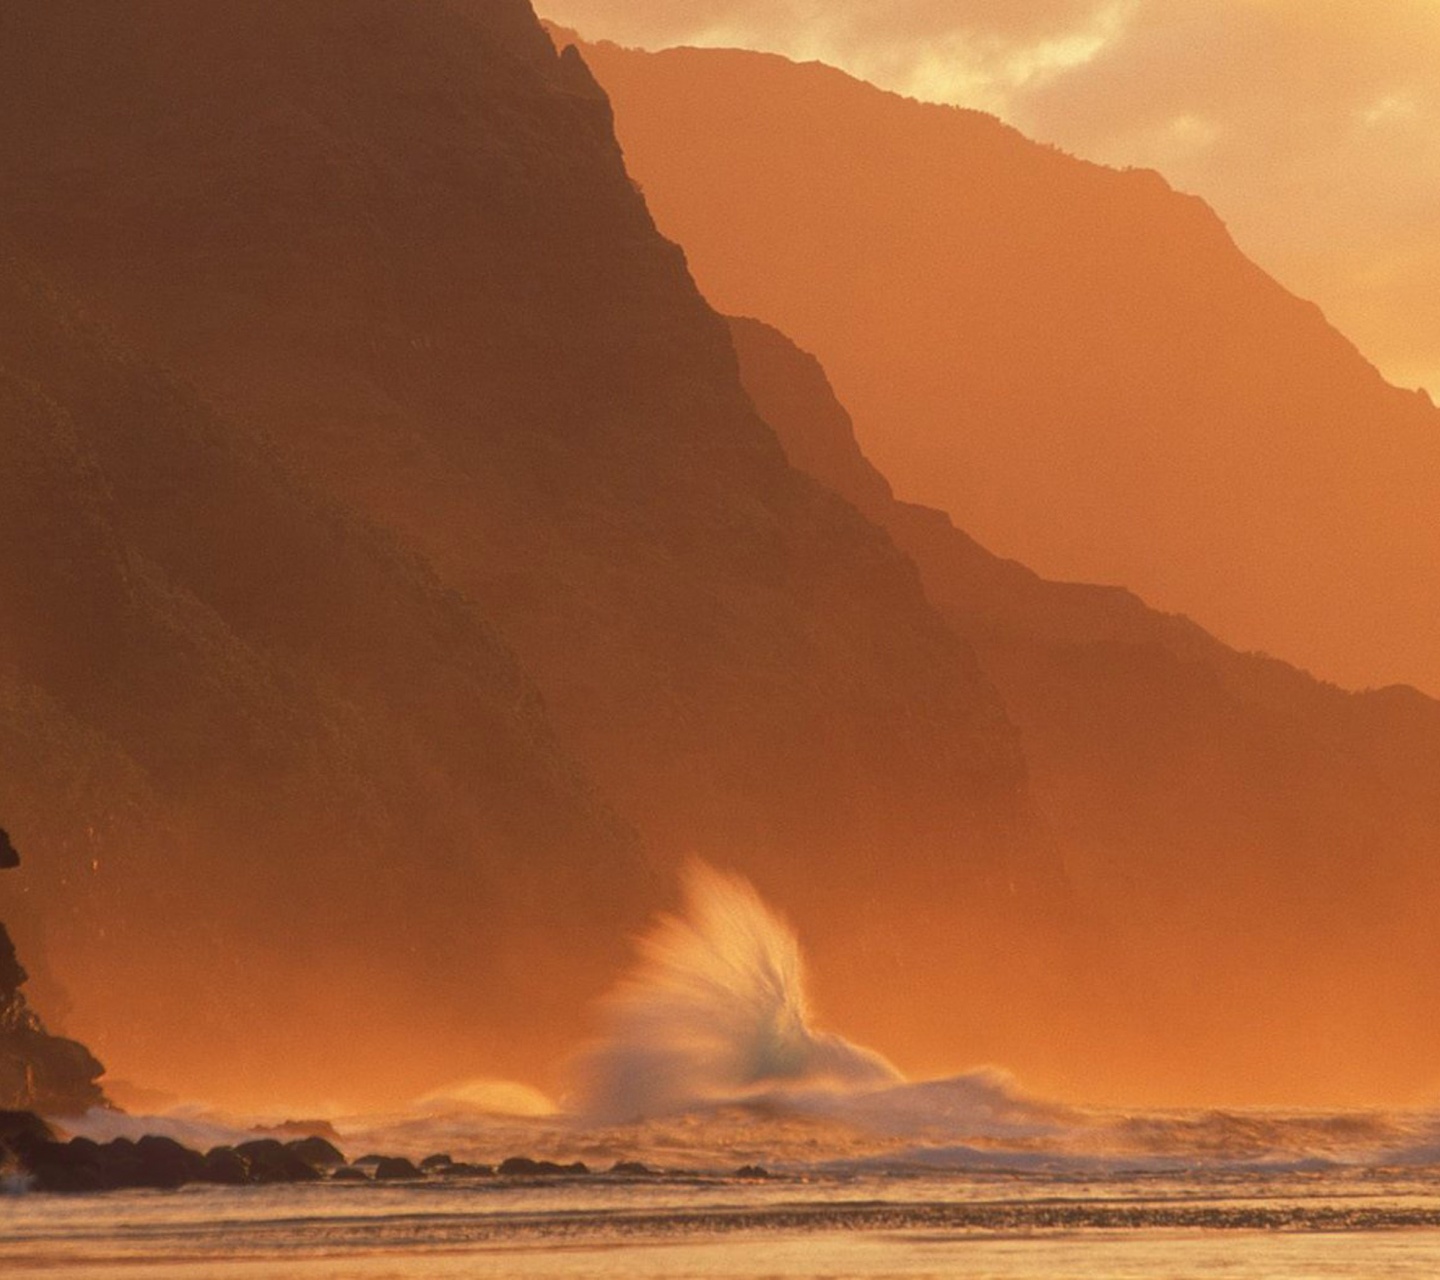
(715,1011)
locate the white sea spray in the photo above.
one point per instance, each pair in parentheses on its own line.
(716,1011)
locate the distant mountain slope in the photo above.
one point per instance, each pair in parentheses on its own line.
(1075,363)
(391,251)
(1258,847)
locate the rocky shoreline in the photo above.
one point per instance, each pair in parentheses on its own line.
(41,1072)
(34,1155)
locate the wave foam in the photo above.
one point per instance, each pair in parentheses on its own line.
(716,1011)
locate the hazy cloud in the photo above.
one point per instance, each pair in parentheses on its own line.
(1312,125)
(975,52)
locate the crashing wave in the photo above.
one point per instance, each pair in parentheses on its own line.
(716,1011)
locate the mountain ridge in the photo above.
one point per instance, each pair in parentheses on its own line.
(389,298)
(1075,362)
(1237,832)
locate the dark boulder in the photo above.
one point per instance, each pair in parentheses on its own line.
(86,1146)
(349,1173)
(271,1161)
(317,1151)
(166,1164)
(463,1170)
(225,1167)
(154,1162)
(632,1169)
(68,1167)
(436,1162)
(396,1169)
(292,1169)
(752,1171)
(519,1167)
(8,856)
(85,1165)
(261,1150)
(121,1163)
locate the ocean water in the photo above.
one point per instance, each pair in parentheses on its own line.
(712,1060)
(1365,1224)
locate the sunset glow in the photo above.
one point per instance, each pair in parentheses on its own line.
(719,638)
(1314,129)
(1045,359)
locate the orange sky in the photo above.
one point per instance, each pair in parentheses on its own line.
(1311,125)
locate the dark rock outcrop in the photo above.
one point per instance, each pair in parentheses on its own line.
(28,1144)
(155,1162)
(38,1071)
(63,1076)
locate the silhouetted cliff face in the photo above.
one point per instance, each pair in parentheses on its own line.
(257,749)
(1243,833)
(1077,364)
(391,249)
